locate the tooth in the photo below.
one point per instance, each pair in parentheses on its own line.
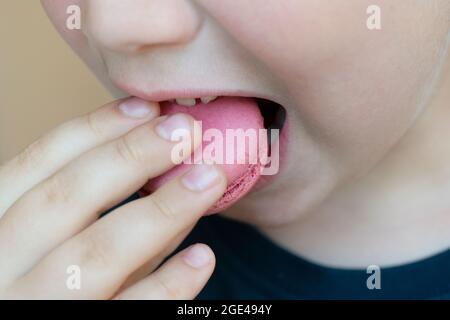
(207,100)
(186,102)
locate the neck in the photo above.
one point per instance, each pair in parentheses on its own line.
(398,213)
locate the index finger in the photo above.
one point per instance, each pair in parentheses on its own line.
(66,142)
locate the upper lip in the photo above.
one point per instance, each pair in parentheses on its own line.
(160,95)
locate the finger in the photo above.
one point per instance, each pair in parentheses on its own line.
(72,198)
(182,277)
(114,247)
(154,262)
(61,145)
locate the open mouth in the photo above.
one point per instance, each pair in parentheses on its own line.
(225,114)
(274,114)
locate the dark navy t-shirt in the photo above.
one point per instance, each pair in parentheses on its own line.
(251,266)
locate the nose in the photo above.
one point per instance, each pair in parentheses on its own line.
(133,25)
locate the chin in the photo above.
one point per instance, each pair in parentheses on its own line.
(285,201)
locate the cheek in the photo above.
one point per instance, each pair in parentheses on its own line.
(290,32)
(355,90)
(57,12)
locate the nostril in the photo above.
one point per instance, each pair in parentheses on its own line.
(136,25)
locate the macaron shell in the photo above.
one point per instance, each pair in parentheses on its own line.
(222,114)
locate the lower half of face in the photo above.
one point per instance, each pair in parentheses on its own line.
(351,77)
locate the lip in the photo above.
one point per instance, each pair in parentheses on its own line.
(160,95)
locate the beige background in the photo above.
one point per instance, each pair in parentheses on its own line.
(42,83)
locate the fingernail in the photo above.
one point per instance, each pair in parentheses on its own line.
(201,177)
(174,127)
(136,108)
(197,256)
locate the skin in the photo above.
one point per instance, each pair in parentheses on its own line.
(42,205)
(365,175)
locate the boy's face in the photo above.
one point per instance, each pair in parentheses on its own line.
(350,93)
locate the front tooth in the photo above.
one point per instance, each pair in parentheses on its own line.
(186,102)
(207,100)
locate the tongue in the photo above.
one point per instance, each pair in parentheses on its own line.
(243,171)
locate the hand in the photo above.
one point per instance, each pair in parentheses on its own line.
(51,196)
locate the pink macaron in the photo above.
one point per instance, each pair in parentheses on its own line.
(232,120)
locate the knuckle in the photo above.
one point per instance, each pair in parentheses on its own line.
(56,189)
(128,151)
(97,252)
(32,156)
(93,126)
(168,291)
(162,208)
